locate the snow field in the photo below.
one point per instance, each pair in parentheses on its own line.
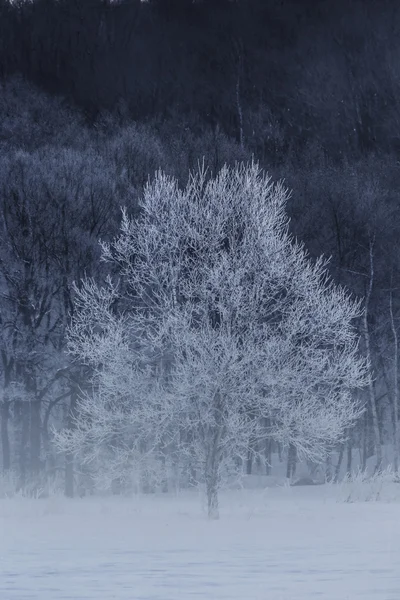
(281,544)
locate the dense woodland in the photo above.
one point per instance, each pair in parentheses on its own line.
(96,96)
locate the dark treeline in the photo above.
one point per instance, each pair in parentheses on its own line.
(96,95)
(263,71)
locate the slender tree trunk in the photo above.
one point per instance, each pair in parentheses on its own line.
(268,456)
(212,494)
(291,462)
(212,439)
(396,436)
(69,488)
(349,462)
(23,454)
(280,452)
(249,462)
(35,436)
(328,468)
(192,476)
(211,474)
(164,472)
(365,442)
(5,412)
(187,440)
(239,108)
(5,439)
(339,464)
(367,340)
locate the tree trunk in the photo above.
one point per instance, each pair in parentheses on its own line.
(365,433)
(7,365)
(339,464)
(69,488)
(35,436)
(212,441)
(192,479)
(268,456)
(279,452)
(238,94)
(23,455)
(5,439)
(212,476)
(328,468)
(164,472)
(396,432)
(349,462)
(249,462)
(212,494)
(239,111)
(371,389)
(291,462)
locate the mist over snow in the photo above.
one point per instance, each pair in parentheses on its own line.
(280,544)
(199,300)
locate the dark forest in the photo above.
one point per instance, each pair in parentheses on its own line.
(96,96)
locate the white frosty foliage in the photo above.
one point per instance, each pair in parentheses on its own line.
(229,332)
(362,486)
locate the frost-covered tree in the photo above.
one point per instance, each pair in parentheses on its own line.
(54,202)
(119,415)
(220,324)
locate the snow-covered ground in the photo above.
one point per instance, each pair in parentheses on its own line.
(280,544)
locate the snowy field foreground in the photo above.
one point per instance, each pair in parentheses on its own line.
(277,544)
